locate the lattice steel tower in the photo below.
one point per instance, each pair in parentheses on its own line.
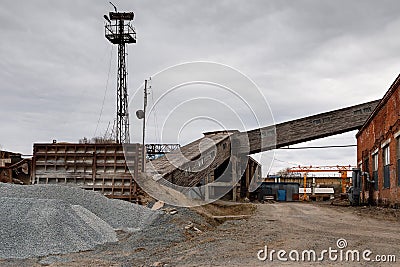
(119,31)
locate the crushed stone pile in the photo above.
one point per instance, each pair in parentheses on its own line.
(37,227)
(39,220)
(117,213)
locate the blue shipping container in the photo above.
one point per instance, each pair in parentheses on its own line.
(281,195)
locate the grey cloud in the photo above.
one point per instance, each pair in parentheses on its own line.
(306,56)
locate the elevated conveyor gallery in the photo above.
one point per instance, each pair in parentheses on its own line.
(213,151)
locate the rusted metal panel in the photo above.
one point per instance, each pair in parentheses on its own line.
(5,175)
(14,169)
(3,162)
(106,168)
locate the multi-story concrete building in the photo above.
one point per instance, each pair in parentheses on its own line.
(378,150)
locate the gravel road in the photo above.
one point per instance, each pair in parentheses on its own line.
(290,226)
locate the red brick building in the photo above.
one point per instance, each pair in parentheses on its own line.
(378,150)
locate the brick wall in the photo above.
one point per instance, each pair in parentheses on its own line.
(380,131)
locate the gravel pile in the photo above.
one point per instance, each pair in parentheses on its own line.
(117,213)
(40,220)
(37,227)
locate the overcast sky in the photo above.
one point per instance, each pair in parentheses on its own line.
(305,56)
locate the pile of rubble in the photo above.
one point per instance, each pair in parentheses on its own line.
(40,220)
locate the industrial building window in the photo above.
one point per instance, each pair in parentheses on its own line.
(323,120)
(358,182)
(375,170)
(212,154)
(386,167)
(271,133)
(398,159)
(327,119)
(317,121)
(367,110)
(366,165)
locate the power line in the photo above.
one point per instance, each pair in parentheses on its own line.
(284,161)
(105,92)
(274,158)
(154,107)
(318,147)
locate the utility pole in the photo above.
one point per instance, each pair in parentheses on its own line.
(119,31)
(141,115)
(144,124)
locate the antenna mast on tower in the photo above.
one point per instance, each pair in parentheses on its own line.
(119,31)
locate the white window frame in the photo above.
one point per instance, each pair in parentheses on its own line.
(375,161)
(386,155)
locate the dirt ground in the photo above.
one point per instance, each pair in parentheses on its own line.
(292,226)
(279,226)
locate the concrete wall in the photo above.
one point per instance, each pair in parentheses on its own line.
(106,168)
(194,172)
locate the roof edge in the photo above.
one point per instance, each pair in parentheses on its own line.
(381,103)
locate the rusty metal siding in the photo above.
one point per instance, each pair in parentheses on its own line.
(100,167)
(14,169)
